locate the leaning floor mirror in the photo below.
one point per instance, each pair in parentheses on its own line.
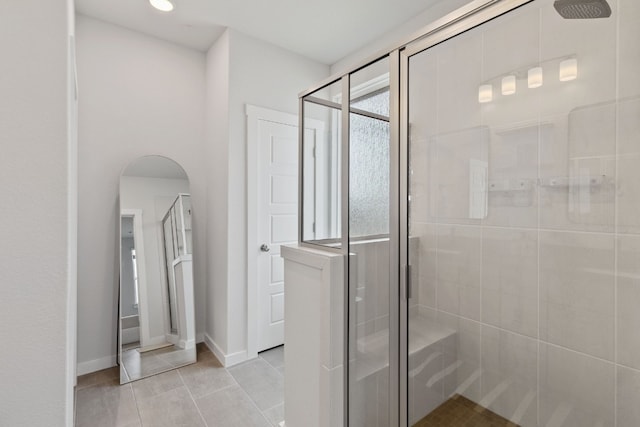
(156,317)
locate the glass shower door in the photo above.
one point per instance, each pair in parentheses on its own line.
(369,247)
(524,146)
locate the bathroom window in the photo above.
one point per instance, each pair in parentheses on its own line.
(369,164)
(368,145)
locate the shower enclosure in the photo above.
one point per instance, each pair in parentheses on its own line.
(482,182)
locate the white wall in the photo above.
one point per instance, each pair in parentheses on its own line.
(137,96)
(72,215)
(261,74)
(399,35)
(153,196)
(216,153)
(35,227)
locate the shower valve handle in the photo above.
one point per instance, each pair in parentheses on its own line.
(265,248)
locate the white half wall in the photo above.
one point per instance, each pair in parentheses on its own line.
(36,189)
(138,96)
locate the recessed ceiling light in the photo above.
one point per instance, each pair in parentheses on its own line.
(163,5)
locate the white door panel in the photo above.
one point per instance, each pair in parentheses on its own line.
(273,214)
(281,190)
(284,228)
(277,307)
(277,269)
(278,223)
(284,151)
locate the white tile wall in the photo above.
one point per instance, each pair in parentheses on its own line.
(513,172)
(510,375)
(628,54)
(544,292)
(510,279)
(460,73)
(577,288)
(627,397)
(459,266)
(628,298)
(575,389)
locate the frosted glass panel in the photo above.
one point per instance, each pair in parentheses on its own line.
(369,174)
(376,102)
(369,152)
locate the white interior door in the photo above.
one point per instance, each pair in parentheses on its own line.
(277,223)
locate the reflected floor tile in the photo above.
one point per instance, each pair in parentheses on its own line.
(179,358)
(157,384)
(206,377)
(108,404)
(145,367)
(230,407)
(275,356)
(262,382)
(172,408)
(275,415)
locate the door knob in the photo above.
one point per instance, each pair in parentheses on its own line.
(265,248)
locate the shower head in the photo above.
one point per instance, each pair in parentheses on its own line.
(583,9)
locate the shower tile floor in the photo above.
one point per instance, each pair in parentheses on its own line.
(459,411)
(202,394)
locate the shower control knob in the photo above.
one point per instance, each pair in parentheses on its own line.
(265,248)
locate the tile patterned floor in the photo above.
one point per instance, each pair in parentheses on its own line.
(459,411)
(203,394)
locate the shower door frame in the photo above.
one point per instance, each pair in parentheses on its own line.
(432,36)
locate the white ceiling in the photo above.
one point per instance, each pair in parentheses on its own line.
(325,31)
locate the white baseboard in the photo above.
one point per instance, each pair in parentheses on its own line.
(96,365)
(199,337)
(227,360)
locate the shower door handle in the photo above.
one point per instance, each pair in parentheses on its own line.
(407,282)
(265,248)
